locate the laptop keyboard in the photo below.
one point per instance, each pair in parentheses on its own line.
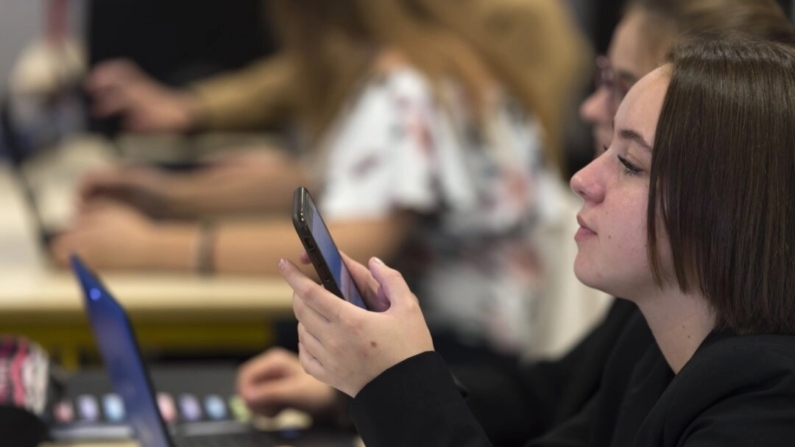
(253,439)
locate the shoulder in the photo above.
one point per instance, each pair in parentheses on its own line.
(738,387)
(389,93)
(394,72)
(731,361)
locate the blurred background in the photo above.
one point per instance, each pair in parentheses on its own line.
(161,141)
(157,36)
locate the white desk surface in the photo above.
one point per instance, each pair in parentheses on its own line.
(30,287)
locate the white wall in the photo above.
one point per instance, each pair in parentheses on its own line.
(20,22)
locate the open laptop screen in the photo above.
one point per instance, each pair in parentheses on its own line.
(117,343)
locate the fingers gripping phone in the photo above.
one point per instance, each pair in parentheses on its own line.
(322,250)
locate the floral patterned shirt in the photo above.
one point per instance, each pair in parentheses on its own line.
(480,189)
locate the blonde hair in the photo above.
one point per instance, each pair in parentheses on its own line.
(529,46)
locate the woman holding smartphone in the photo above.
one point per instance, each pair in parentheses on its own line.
(691,223)
(527,399)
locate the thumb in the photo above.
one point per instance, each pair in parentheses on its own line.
(393,288)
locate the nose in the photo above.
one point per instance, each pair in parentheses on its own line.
(588,183)
(595,110)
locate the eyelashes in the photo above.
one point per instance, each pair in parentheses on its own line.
(629,168)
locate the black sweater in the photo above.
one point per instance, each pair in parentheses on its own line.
(735,391)
(514,402)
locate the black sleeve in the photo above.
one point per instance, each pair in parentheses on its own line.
(514,403)
(576,432)
(416,403)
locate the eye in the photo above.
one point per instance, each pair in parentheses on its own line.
(629,168)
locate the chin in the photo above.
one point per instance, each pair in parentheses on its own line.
(593,278)
(585,274)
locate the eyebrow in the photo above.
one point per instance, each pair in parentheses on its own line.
(627,77)
(635,137)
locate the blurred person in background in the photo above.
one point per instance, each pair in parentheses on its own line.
(262,95)
(645,35)
(516,402)
(430,133)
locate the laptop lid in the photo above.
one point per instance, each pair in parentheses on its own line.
(118,346)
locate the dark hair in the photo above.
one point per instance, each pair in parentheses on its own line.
(669,19)
(723,180)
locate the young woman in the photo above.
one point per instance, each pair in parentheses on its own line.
(692,223)
(516,403)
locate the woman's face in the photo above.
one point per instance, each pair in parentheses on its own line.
(611,241)
(629,58)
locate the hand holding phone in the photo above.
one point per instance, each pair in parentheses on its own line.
(322,250)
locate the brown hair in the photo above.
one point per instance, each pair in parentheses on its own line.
(531,48)
(669,19)
(722,182)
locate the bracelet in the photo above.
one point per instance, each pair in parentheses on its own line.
(206,248)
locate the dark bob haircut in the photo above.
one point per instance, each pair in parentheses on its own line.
(723,180)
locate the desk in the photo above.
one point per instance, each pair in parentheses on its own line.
(183,313)
(170,311)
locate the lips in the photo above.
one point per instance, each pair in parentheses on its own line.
(584,225)
(584,232)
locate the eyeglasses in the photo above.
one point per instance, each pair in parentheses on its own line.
(605,77)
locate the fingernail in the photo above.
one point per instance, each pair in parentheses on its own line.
(378,261)
(282,264)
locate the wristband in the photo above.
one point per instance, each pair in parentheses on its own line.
(205,252)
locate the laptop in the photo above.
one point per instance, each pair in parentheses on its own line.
(129,376)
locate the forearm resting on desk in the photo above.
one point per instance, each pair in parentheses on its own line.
(261,183)
(257,247)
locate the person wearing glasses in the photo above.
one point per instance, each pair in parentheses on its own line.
(645,34)
(513,403)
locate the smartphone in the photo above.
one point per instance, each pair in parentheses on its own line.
(322,250)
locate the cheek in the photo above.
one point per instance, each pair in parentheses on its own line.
(623,243)
(617,261)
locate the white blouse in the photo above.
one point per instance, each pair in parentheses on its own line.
(480,189)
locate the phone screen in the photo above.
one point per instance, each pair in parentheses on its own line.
(334,260)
